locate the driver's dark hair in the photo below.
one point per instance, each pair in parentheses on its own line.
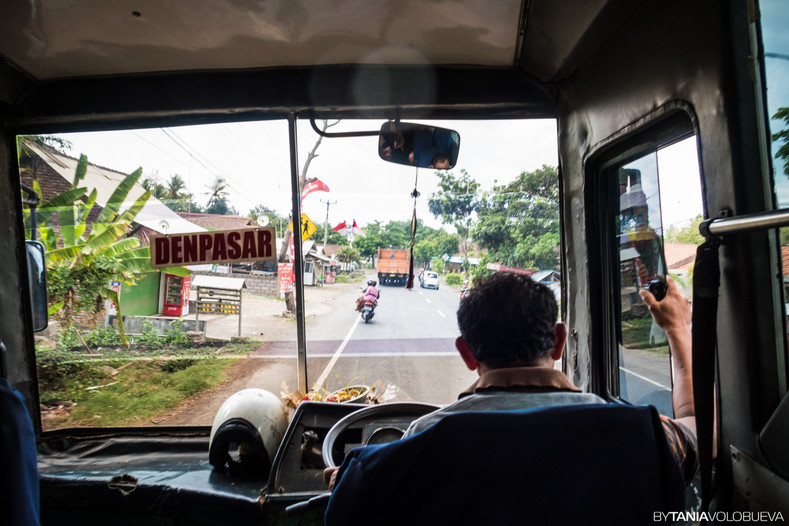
(508,320)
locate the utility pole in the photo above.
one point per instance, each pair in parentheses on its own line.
(326,225)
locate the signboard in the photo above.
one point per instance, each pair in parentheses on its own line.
(219,246)
(501,268)
(285,277)
(307,227)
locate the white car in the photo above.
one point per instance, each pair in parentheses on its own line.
(430,280)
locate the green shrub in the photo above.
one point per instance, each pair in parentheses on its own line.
(106,337)
(176,334)
(67,339)
(453,279)
(150,337)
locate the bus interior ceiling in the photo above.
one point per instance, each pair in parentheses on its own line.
(608,70)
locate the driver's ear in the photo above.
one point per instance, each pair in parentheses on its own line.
(465,352)
(559,339)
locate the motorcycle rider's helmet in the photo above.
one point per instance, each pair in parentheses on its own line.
(252,422)
(371,283)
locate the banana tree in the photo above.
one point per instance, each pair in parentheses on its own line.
(82,264)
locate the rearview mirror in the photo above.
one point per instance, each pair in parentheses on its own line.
(419,145)
(37,279)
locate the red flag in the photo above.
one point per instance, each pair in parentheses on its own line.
(356,230)
(314,186)
(341,229)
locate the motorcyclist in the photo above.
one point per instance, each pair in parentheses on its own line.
(369,293)
(465,290)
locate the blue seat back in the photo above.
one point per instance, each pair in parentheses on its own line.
(590,464)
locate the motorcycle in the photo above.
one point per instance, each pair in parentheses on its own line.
(368,311)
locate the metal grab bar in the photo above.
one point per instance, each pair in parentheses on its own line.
(721,226)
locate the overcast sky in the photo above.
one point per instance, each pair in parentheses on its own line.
(253,158)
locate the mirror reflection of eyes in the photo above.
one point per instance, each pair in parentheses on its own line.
(412,144)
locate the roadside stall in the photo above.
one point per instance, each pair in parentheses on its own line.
(218,295)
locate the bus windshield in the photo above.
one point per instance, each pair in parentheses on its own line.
(193,335)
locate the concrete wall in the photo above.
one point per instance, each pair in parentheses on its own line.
(257,284)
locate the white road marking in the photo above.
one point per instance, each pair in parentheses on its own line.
(427,300)
(335,357)
(431,354)
(440,313)
(645,379)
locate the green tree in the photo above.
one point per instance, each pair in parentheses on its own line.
(455,202)
(334,238)
(783,136)
(433,245)
(518,223)
(152,184)
(348,255)
(217,190)
(174,187)
(687,234)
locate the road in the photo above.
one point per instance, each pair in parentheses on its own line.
(408,347)
(410,344)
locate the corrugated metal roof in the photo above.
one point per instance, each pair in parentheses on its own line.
(217,221)
(217,282)
(154,215)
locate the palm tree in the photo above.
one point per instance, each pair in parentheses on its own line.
(217,191)
(174,187)
(152,184)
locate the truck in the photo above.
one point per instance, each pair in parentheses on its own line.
(393,266)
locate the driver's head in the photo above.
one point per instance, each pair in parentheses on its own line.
(509,320)
(440,162)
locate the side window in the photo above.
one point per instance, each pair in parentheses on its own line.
(656,229)
(774,18)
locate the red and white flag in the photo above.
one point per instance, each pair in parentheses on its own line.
(341,229)
(356,230)
(314,186)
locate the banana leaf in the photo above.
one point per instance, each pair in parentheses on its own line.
(82,169)
(59,203)
(97,243)
(131,213)
(82,223)
(118,197)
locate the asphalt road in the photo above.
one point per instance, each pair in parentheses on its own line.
(409,347)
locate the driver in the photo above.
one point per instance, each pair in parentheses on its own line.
(369,293)
(513,346)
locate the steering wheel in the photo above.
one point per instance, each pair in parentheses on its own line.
(393,409)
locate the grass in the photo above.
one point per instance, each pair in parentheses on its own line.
(635,335)
(121,393)
(115,386)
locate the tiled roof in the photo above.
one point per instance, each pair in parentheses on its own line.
(679,256)
(217,222)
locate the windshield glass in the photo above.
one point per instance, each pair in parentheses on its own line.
(192,336)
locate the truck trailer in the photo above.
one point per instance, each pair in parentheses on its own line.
(392,266)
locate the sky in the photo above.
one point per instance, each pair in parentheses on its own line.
(253,158)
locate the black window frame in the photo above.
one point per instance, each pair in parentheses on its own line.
(670,124)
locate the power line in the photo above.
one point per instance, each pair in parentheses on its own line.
(181,143)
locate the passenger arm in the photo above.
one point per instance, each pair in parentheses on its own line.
(673,315)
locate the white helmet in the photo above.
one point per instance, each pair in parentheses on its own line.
(254,421)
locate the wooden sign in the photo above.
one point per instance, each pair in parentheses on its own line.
(218,246)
